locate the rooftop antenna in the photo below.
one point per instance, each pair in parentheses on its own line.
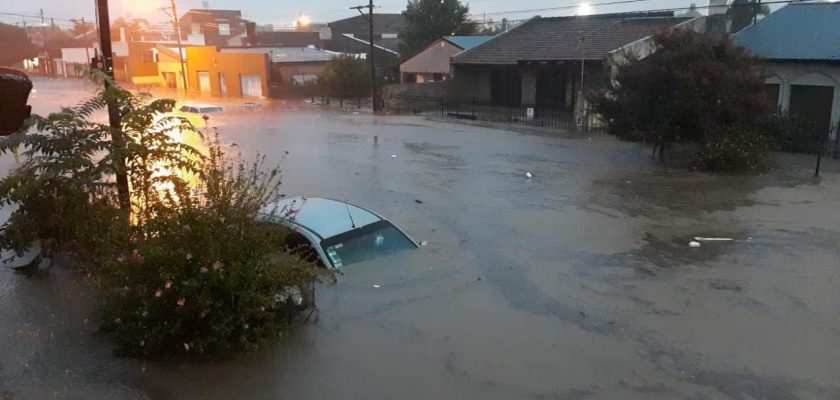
(352,223)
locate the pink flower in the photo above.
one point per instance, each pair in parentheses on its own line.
(181,302)
(186,347)
(159,293)
(246,326)
(218,265)
(189,256)
(121,259)
(203,270)
(168,285)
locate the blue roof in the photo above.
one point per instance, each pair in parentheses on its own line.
(467,42)
(796,32)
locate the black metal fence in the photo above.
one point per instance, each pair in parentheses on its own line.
(475,110)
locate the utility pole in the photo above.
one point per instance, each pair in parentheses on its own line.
(44,68)
(373,88)
(177,29)
(113,112)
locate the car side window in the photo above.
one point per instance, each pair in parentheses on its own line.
(184,109)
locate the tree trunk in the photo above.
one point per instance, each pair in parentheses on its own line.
(653,155)
(662,152)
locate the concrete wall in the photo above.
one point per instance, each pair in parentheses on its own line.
(786,75)
(434,59)
(232,65)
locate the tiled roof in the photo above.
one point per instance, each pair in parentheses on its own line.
(467,42)
(559,38)
(801,32)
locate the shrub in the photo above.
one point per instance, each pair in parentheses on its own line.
(203,277)
(735,150)
(187,270)
(692,88)
(793,134)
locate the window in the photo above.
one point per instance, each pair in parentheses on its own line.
(224,29)
(195,29)
(301,79)
(148,56)
(390,35)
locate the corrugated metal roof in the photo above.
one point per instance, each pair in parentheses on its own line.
(803,32)
(286,54)
(467,42)
(559,38)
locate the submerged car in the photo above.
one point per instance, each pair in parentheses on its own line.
(200,109)
(339,233)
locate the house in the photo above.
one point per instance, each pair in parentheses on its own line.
(548,63)
(218,27)
(220,73)
(800,45)
(434,63)
(352,36)
(290,65)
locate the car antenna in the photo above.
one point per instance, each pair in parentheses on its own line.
(352,223)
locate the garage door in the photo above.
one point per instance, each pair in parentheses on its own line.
(204,81)
(251,85)
(813,103)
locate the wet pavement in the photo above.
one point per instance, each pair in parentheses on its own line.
(576,284)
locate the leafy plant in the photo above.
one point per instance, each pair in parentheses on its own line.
(70,161)
(691,89)
(188,269)
(206,278)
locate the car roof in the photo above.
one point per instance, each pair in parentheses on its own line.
(197,105)
(323,217)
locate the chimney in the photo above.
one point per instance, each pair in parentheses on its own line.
(251,33)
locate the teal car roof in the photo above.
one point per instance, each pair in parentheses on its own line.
(323,217)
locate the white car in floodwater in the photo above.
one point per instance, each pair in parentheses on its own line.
(339,233)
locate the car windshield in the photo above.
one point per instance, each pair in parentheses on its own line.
(372,241)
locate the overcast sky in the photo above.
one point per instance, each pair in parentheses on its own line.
(280,12)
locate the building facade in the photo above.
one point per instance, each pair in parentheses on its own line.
(434,63)
(800,45)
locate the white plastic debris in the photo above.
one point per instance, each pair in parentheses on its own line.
(694,245)
(376,286)
(705,239)
(424,243)
(393,156)
(529,175)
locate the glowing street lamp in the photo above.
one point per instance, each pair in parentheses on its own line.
(584,9)
(303,21)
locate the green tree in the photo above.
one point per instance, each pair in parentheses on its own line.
(345,77)
(15,45)
(694,88)
(742,13)
(428,20)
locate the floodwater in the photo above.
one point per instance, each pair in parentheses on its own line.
(576,284)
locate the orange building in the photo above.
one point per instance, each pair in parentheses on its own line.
(227,74)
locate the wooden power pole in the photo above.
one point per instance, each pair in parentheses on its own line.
(373,86)
(113,113)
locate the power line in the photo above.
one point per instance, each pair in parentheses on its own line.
(641,12)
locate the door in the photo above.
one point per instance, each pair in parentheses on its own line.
(251,85)
(171,81)
(203,81)
(813,103)
(222,84)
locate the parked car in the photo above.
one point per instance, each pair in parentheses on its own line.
(200,109)
(339,233)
